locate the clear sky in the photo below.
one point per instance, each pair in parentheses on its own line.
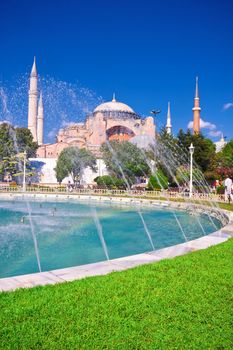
(146,51)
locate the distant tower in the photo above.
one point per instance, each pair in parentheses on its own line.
(40,121)
(32,102)
(220,144)
(196,111)
(169,125)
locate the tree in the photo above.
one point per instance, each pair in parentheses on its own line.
(183,175)
(25,142)
(204,153)
(166,139)
(158,181)
(224,172)
(111,182)
(12,143)
(125,160)
(225,157)
(164,154)
(72,161)
(7,144)
(15,167)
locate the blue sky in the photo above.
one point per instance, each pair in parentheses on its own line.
(148,52)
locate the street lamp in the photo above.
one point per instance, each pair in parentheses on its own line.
(155,112)
(191,151)
(24,170)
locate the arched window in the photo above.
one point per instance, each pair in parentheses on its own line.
(119,133)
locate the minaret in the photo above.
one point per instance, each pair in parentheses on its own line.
(222,139)
(169,125)
(196,111)
(40,121)
(32,102)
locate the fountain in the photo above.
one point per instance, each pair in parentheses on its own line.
(85,232)
(75,232)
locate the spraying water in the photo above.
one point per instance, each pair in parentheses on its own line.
(172,158)
(116,161)
(64,103)
(33,235)
(146,230)
(16,148)
(100,231)
(181,228)
(118,164)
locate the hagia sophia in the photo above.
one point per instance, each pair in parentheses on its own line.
(109,121)
(112,120)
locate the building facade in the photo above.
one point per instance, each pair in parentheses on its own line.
(109,121)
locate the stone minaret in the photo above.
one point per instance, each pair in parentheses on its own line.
(32,102)
(169,125)
(196,111)
(40,121)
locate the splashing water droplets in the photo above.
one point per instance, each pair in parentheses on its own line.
(64,103)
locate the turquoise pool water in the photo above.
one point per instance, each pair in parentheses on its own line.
(67,235)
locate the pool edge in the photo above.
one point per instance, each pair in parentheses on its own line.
(119,264)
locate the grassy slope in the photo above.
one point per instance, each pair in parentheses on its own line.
(226,206)
(183,303)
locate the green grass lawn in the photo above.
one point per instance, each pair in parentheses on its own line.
(182,303)
(227,206)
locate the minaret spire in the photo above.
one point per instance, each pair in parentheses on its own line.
(169,125)
(34,70)
(32,102)
(40,100)
(40,121)
(196,111)
(114,97)
(196,92)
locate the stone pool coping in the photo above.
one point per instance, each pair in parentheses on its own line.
(120,264)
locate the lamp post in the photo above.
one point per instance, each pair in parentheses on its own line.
(191,151)
(154,112)
(24,171)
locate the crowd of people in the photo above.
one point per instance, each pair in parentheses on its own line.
(226,188)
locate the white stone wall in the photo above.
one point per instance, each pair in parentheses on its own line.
(47,175)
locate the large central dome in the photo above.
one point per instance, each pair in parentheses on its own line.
(113,106)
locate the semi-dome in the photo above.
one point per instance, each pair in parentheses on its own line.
(113,106)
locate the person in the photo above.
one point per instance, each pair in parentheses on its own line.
(69,187)
(228,186)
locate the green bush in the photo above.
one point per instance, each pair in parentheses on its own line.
(110,182)
(220,189)
(158,181)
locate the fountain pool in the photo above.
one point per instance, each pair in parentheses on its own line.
(70,233)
